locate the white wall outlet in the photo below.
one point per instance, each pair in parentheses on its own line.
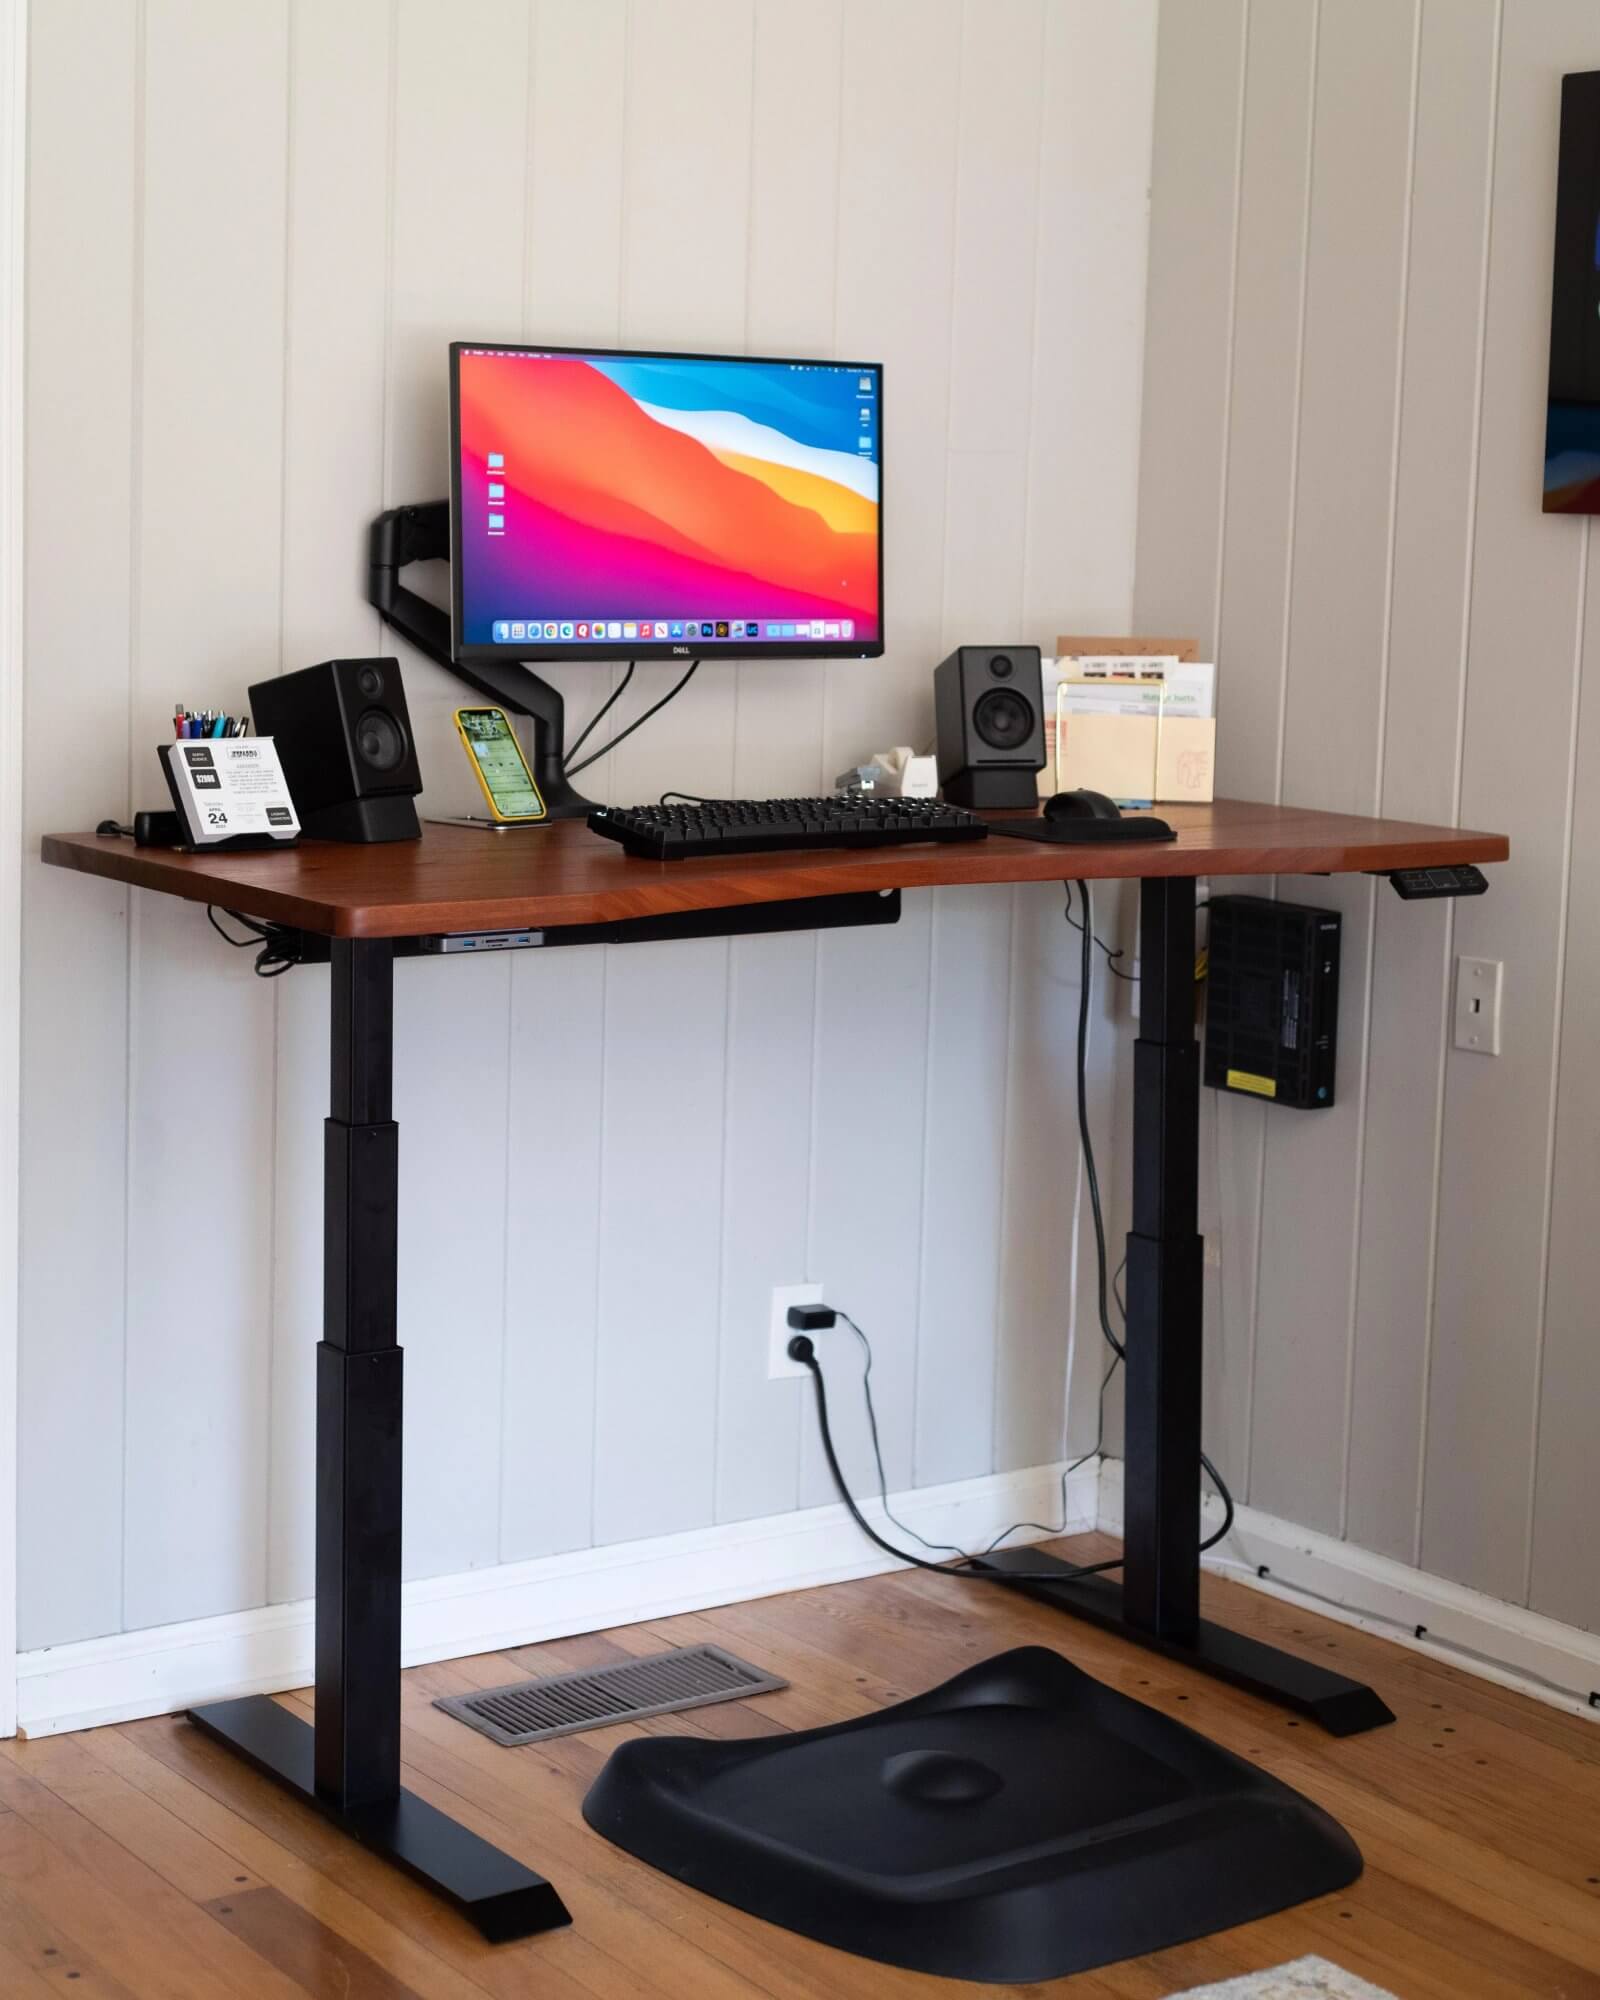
(779,1366)
(1478,986)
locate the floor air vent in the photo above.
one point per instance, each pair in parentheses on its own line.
(628,1691)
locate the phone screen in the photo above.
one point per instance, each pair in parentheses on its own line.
(499,756)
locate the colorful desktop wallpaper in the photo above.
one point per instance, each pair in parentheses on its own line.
(600,489)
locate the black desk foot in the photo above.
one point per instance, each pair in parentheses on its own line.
(1343,1707)
(504,1899)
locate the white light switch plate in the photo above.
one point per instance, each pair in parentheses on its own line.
(1478,986)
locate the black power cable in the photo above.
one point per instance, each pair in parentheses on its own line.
(599,715)
(276,947)
(803,1350)
(655,708)
(969,1568)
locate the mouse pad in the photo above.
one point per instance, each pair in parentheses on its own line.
(1022,1821)
(1083,832)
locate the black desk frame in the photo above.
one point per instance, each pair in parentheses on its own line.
(1158,1602)
(349,1766)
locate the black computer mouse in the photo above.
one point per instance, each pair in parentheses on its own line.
(1081,805)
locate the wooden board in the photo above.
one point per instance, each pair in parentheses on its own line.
(456,878)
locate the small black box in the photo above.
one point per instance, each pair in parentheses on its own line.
(1272,1000)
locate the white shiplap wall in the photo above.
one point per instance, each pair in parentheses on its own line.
(252,230)
(1353,205)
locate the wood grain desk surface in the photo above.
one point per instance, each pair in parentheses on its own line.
(459,879)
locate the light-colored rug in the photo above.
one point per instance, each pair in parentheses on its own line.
(1301,1979)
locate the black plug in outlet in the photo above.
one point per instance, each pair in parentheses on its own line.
(811,1319)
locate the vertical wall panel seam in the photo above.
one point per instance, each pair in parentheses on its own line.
(1033,335)
(1468,568)
(1005,1141)
(1385,655)
(1240,113)
(825,704)
(514,967)
(750,175)
(1283,663)
(15,357)
(599,1232)
(1293,503)
(1299,403)
(135,541)
(532,29)
(817,965)
(624,180)
(1547,1216)
(950,326)
(1369,980)
(920,1293)
(1358,1181)
(505,1258)
(391,147)
(285,380)
(724,1177)
(1230,350)
(742,667)
(1001,1317)
(944,613)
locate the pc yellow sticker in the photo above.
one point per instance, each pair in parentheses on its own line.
(1263,1086)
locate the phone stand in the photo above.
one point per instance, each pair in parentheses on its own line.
(482,823)
(421,533)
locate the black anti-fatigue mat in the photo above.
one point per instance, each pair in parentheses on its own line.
(1021,1822)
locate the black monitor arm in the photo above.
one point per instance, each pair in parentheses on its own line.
(422,534)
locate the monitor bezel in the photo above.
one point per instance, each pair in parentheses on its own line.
(566,652)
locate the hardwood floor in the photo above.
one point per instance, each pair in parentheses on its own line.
(144,1863)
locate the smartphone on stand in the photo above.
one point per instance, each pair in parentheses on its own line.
(507,784)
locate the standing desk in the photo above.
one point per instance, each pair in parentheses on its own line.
(360,907)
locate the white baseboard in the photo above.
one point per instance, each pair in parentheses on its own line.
(1505,1643)
(169,1667)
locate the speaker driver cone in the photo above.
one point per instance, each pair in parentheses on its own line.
(1003,719)
(381,740)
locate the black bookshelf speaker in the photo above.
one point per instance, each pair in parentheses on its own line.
(344,740)
(988,704)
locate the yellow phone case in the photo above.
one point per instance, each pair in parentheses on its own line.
(506,819)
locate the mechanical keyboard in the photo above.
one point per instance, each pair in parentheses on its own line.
(767,826)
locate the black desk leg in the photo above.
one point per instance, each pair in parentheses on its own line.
(349,1766)
(1158,1602)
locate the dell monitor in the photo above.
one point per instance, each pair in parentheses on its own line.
(634,506)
